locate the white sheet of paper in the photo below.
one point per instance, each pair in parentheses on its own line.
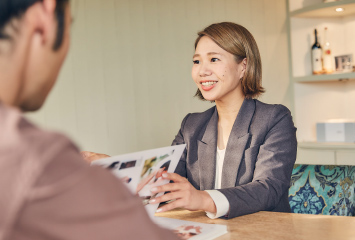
(192,230)
(141,171)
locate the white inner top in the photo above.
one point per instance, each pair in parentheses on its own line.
(219,167)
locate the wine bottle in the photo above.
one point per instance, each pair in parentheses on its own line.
(327,54)
(316,55)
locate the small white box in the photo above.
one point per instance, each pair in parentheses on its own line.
(336,130)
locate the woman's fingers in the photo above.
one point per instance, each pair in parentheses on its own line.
(174,177)
(166,197)
(144,182)
(169,187)
(175,204)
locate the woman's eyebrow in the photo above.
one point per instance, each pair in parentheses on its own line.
(213,53)
(210,53)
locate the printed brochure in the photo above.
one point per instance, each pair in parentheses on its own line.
(141,171)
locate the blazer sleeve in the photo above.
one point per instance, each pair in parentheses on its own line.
(179,139)
(273,168)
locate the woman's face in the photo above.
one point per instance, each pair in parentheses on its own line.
(216,72)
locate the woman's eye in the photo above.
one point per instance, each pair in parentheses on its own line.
(214,59)
(196,61)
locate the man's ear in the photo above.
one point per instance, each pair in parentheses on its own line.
(49,5)
(42,15)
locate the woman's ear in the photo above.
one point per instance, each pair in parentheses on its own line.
(243,67)
(244,64)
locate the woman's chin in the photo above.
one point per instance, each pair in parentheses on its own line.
(209,98)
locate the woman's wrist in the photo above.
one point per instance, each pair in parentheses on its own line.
(208,204)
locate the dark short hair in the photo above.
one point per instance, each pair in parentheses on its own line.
(238,41)
(10,9)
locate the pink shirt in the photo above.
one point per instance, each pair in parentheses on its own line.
(47,191)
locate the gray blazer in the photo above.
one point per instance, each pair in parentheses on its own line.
(259,158)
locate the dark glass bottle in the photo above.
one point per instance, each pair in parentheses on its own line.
(316,55)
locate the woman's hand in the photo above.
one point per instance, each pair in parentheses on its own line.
(184,194)
(91,156)
(145,181)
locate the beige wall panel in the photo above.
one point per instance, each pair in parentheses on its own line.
(320,102)
(126,84)
(315,157)
(345,157)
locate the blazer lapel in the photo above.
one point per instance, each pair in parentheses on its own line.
(237,142)
(207,148)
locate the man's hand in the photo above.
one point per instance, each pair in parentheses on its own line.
(91,156)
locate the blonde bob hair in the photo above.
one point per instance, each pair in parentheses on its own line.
(238,41)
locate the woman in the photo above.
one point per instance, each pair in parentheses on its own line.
(240,153)
(242,147)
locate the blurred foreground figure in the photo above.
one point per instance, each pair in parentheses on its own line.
(47,190)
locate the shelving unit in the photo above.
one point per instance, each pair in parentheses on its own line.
(333,146)
(325,77)
(321,97)
(322,9)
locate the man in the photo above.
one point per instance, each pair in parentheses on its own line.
(47,191)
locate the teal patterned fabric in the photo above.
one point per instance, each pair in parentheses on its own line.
(323,189)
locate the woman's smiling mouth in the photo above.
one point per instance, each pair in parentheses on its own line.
(208,85)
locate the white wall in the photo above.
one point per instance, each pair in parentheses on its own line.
(126,83)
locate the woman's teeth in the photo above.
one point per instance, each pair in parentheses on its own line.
(208,83)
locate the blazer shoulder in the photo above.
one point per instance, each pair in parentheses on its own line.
(202,115)
(272,110)
(273,113)
(196,120)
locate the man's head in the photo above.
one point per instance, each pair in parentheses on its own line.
(34,40)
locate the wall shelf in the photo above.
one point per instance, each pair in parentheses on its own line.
(325,77)
(325,96)
(322,10)
(330,145)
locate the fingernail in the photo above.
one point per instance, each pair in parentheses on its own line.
(165,175)
(152,201)
(154,189)
(159,210)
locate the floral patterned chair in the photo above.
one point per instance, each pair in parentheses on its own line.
(323,189)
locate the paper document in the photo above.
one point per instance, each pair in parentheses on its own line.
(192,230)
(142,171)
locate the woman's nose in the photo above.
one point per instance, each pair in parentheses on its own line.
(204,70)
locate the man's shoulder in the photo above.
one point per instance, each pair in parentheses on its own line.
(30,157)
(21,137)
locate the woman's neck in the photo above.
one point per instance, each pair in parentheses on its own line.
(227,114)
(228,110)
